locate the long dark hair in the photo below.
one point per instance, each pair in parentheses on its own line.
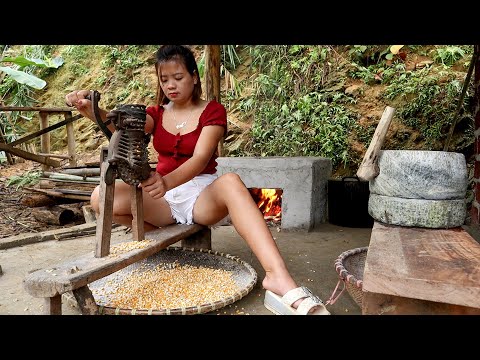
(185,55)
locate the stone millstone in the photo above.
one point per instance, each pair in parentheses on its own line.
(417,212)
(417,174)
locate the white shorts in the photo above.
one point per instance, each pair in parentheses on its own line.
(182,198)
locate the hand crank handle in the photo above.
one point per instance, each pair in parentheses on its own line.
(94,97)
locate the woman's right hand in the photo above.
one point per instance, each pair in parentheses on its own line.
(77,98)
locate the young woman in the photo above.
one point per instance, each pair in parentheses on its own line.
(185,188)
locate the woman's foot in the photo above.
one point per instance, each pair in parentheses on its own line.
(284,297)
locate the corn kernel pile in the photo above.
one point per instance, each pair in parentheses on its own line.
(124,247)
(168,286)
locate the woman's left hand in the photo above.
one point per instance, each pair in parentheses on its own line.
(155,185)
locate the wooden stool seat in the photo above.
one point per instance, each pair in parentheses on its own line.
(75,275)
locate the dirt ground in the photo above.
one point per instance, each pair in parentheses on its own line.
(309,256)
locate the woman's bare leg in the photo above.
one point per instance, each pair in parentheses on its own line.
(229,195)
(156,212)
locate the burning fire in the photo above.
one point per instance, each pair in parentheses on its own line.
(269,202)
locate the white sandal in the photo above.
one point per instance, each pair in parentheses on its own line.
(283,305)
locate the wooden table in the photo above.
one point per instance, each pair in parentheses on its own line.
(421,271)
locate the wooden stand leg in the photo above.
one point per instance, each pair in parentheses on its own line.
(53,305)
(200,240)
(136,201)
(104,221)
(85,301)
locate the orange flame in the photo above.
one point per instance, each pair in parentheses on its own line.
(268,201)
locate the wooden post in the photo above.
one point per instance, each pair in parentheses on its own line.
(70,140)
(86,301)
(136,205)
(45,138)
(105,216)
(212,79)
(29,156)
(53,305)
(8,155)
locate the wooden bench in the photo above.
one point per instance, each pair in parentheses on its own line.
(75,275)
(421,271)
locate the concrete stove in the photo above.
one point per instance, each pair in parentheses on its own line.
(303,181)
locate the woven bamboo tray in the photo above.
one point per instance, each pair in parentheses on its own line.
(350,266)
(244,276)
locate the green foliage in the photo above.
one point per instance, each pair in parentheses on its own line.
(230,58)
(378,73)
(449,55)
(430,101)
(294,114)
(123,58)
(22,66)
(16,89)
(31,177)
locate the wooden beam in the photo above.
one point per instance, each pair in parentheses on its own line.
(44,131)
(29,156)
(32,108)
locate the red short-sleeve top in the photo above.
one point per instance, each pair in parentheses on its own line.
(174,150)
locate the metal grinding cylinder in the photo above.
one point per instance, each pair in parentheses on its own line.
(128,149)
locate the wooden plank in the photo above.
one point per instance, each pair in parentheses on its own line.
(438,265)
(380,304)
(57,234)
(76,273)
